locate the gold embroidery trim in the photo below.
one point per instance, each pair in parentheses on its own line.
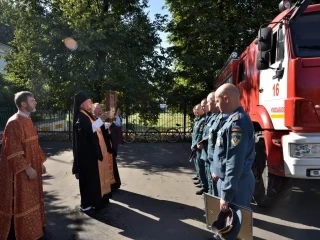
(15,154)
(30,139)
(29,211)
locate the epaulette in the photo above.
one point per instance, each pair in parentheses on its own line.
(236,117)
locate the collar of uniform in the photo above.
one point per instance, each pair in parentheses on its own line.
(224,115)
(233,116)
(238,109)
(22,114)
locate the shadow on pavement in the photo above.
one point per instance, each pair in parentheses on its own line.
(302,208)
(141,217)
(61,221)
(156,157)
(55,148)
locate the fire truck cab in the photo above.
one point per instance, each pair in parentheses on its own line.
(278,77)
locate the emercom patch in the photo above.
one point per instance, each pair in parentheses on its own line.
(236,137)
(202,126)
(236,129)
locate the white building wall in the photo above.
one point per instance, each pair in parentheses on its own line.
(3,49)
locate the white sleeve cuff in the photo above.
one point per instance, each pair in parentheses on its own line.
(97,124)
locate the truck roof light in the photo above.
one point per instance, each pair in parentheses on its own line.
(284,5)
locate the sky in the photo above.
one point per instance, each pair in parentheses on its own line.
(156,7)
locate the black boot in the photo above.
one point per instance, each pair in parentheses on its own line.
(197,182)
(200,192)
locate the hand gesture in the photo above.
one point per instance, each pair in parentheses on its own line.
(105,115)
(44,170)
(215,177)
(224,205)
(200,145)
(32,174)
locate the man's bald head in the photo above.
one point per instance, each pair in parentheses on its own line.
(198,110)
(194,110)
(211,103)
(228,89)
(96,109)
(210,96)
(227,98)
(204,105)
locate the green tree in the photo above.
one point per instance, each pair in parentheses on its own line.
(6,91)
(205,33)
(118,49)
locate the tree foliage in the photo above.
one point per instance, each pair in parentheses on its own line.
(119,49)
(205,33)
(6,90)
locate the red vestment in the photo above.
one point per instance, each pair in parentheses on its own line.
(20,197)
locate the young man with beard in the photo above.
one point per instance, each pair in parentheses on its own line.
(21,169)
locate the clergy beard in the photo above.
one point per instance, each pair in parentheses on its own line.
(30,109)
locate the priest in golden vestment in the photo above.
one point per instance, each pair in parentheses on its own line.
(91,165)
(111,148)
(21,168)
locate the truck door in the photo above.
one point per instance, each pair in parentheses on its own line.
(273,88)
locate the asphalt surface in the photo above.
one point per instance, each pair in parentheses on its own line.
(157,200)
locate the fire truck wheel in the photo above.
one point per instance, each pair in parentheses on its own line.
(268,187)
(261,194)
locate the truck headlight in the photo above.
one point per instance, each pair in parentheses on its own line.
(304,150)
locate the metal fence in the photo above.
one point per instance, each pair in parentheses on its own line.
(5,113)
(50,124)
(57,125)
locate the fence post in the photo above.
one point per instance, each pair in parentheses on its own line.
(127,116)
(184,118)
(69,124)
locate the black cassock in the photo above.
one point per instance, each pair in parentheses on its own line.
(114,140)
(87,153)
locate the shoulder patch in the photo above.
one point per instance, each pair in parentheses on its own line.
(202,126)
(236,129)
(235,117)
(236,138)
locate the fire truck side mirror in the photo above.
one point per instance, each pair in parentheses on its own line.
(265,39)
(263,60)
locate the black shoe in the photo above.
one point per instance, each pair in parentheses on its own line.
(199,185)
(216,237)
(200,192)
(85,209)
(197,182)
(195,178)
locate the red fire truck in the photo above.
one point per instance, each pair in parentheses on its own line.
(278,76)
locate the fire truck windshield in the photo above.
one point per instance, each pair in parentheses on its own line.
(305,35)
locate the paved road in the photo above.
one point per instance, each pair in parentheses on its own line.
(157,200)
